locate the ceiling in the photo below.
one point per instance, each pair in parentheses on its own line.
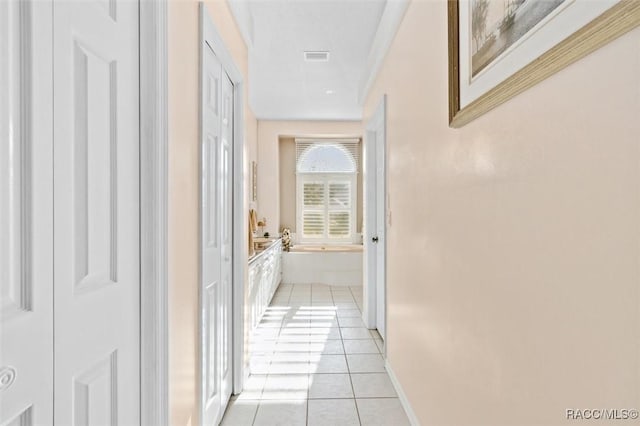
(282,85)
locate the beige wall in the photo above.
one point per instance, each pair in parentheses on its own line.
(287,170)
(269,134)
(514,244)
(183,190)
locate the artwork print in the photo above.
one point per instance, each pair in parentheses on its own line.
(496,25)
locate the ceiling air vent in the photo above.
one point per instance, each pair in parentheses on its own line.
(316,56)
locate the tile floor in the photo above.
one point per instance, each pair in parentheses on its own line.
(314,363)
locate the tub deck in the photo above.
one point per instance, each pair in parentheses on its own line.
(323,264)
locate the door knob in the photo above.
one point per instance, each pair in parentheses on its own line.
(374,239)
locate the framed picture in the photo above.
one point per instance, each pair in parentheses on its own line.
(254,181)
(499,48)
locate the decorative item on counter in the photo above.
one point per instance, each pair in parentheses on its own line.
(286,239)
(253,221)
(266,235)
(261,224)
(253,225)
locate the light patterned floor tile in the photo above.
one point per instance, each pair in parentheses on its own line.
(382,412)
(281,413)
(330,386)
(372,385)
(365,363)
(333,412)
(240,412)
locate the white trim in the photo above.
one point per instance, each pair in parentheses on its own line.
(413,419)
(389,23)
(154,314)
(240,224)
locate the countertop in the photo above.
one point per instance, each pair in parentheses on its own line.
(258,253)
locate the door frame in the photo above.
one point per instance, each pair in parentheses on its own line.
(154,145)
(210,34)
(371,280)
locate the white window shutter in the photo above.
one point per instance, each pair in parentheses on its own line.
(326,189)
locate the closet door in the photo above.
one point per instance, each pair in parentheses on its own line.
(26,214)
(96,218)
(216,237)
(211,248)
(226,227)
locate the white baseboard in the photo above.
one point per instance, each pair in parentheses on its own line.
(413,419)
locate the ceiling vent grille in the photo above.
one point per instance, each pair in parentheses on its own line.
(316,56)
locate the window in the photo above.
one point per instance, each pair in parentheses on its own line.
(326,190)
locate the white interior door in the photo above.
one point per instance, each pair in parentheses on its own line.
(381,240)
(26,214)
(96,213)
(227,233)
(375,222)
(216,238)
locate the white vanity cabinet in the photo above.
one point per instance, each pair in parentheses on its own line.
(265,274)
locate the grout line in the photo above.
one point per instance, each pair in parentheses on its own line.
(286,320)
(353,391)
(255,415)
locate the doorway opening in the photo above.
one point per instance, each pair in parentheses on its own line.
(313,357)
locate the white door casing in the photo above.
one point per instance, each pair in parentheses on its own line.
(216,236)
(96,213)
(154,323)
(374,312)
(26,215)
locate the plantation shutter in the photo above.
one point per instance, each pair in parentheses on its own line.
(313,215)
(339,209)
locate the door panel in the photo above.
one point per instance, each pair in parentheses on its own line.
(26,215)
(375,221)
(380,231)
(96,213)
(227,232)
(370,229)
(217,193)
(212,186)
(211,343)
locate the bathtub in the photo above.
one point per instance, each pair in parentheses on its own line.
(323,264)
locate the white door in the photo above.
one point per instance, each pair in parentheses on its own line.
(226,180)
(96,213)
(26,215)
(380,240)
(375,221)
(216,238)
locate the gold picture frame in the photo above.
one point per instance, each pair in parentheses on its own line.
(617,20)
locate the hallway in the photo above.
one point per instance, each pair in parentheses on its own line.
(314,363)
